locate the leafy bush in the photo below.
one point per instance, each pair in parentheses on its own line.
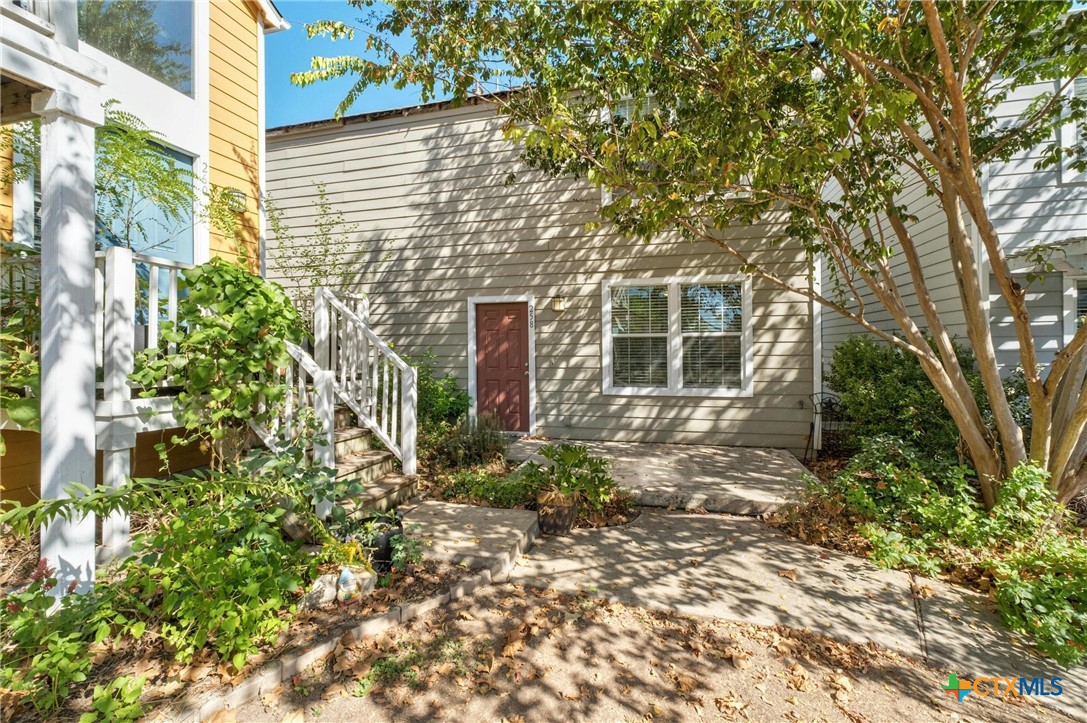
(465,443)
(118,701)
(885,392)
(43,654)
(232,329)
(222,575)
(217,572)
(494,489)
(573,473)
(920,516)
(440,399)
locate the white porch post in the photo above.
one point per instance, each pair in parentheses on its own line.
(118,362)
(67,340)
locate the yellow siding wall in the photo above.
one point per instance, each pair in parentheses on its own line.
(6,215)
(235,121)
(234,143)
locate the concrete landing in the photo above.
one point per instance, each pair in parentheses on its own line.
(471,536)
(740,570)
(736,480)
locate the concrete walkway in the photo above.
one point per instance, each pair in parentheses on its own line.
(737,480)
(738,569)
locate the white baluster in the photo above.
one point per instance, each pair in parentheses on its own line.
(385,395)
(395,402)
(408,401)
(171,306)
(152,307)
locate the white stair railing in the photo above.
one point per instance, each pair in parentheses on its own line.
(306,386)
(372,379)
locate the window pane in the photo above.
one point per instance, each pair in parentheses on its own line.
(712,361)
(711,308)
(146,228)
(639,310)
(639,362)
(153,37)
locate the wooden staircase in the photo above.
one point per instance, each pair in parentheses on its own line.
(358,458)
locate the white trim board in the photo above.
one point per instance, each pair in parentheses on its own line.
(1072,284)
(675,341)
(530,301)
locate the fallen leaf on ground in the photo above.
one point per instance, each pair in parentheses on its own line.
(789,574)
(224,716)
(685,683)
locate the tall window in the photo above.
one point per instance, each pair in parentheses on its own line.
(677,337)
(155,38)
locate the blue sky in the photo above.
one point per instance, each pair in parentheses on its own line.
(290,51)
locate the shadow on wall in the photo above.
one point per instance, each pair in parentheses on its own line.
(434,193)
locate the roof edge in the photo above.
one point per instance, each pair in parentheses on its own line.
(401,112)
(274,21)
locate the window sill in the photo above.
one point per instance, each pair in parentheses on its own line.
(697,393)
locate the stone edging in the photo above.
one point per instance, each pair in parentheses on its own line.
(280,671)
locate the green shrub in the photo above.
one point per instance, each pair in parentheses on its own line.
(885,391)
(924,517)
(222,576)
(466,443)
(494,489)
(232,329)
(440,399)
(1041,590)
(43,654)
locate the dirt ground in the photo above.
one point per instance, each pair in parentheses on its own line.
(517,654)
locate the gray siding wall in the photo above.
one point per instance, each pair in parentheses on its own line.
(433,190)
(1045,300)
(1031,205)
(929,232)
(1026,206)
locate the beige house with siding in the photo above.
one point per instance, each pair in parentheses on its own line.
(562,331)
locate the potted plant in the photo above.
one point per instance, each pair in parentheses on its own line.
(556,510)
(571,478)
(375,534)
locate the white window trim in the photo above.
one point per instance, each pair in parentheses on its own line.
(675,340)
(530,301)
(1067,133)
(1072,284)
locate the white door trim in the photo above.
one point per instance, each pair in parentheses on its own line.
(530,301)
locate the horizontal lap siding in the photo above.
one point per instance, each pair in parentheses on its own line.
(929,233)
(431,192)
(234,119)
(1028,204)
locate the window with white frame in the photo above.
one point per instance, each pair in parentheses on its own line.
(678,337)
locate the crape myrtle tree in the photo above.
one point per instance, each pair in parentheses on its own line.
(700,115)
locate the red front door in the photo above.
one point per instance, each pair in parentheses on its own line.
(502,363)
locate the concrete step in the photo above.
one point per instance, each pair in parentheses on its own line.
(352,440)
(382,495)
(367,467)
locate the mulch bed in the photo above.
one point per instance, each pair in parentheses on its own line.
(169,681)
